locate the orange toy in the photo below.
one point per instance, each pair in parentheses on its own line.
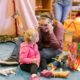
(73,58)
(61,74)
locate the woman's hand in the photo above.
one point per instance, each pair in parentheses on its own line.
(47,27)
(50,28)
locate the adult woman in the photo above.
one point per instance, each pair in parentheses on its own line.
(50,43)
(62,9)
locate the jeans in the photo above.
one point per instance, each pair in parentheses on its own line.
(46,56)
(15,53)
(49,53)
(62,9)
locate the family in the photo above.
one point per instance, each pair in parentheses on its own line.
(39,45)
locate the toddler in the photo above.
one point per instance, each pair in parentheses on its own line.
(29,57)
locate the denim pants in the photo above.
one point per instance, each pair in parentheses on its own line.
(46,55)
(62,9)
(49,53)
(15,53)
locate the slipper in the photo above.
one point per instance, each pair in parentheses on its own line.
(46,73)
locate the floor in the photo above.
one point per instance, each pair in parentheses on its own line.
(20,75)
(6,49)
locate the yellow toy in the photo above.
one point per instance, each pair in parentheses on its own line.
(52,66)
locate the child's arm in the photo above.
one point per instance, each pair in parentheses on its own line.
(23,57)
(38,59)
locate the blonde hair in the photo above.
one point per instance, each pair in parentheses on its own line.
(31,35)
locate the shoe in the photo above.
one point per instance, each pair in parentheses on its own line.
(9,62)
(46,73)
(61,57)
(35,78)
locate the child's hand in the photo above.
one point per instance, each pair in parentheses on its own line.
(35,61)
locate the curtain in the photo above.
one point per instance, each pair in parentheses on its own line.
(27,13)
(6,21)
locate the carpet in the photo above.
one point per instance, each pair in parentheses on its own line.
(6,50)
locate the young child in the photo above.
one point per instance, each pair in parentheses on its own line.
(29,57)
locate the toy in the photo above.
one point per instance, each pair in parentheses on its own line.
(7,71)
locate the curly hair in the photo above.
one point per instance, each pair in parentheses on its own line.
(31,35)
